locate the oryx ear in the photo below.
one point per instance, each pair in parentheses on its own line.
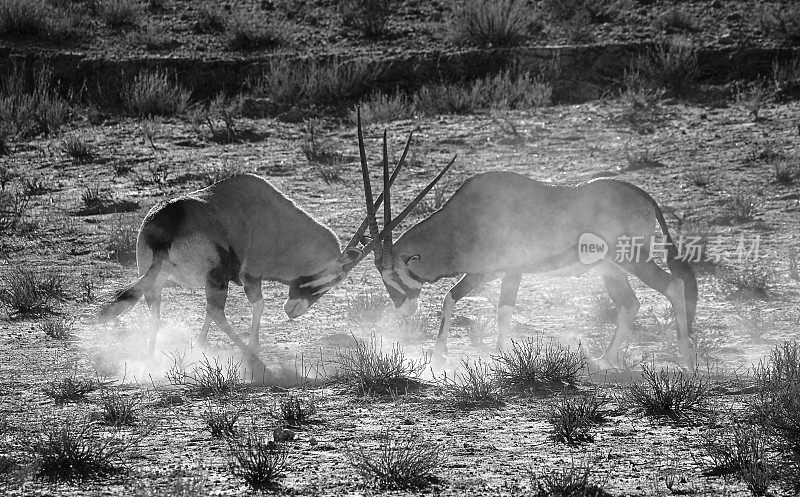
(350,255)
(365,239)
(414,257)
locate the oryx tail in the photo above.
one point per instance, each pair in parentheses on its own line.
(128,296)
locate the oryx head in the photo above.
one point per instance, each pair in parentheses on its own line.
(400,282)
(305,290)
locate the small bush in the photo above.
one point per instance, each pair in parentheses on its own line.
(781,21)
(250,31)
(58,328)
(221,422)
(740,449)
(573,481)
(221,116)
(671,65)
(327,162)
(373,371)
(741,208)
(206,378)
(367,16)
(69,389)
(701,178)
(399,463)
(786,170)
(154,94)
(37,19)
(73,448)
(476,385)
(484,23)
(153,37)
(121,241)
(296,409)
(674,394)
(257,461)
(120,13)
(753,98)
(288,82)
(29,104)
(676,20)
(119,409)
(381,108)
(210,19)
(531,364)
(27,291)
(573,418)
(13,208)
(749,282)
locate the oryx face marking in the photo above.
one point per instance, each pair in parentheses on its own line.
(403,289)
(306,290)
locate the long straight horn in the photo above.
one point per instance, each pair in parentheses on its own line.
(373,223)
(387,209)
(361,229)
(388,229)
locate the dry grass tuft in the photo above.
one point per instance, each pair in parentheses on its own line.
(154,93)
(533,365)
(27,291)
(476,385)
(573,418)
(256,460)
(484,23)
(70,389)
(677,394)
(400,463)
(370,17)
(373,371)
(221,422)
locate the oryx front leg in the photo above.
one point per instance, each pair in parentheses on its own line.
(202,339)
(509,288)
(252,288)
(620,291)
(153,300)
(468,283)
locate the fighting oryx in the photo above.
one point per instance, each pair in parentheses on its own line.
(503,223)
(240,230)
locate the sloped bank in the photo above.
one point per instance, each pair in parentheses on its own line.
(585,71)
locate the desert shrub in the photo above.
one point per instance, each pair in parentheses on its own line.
(57,328)
(741,208)
(700,177)
(78,148)
(69,389)
(153,37)
(120,13)
(37,19)
(119,409)
(404,462)
(484,23)
(786,170)
(367,16)
(476,385)
(29,291)
(256,460)
(121,240)
(532,364)
(35,186)
(676,20)
(154,93)
(572,481)
(372,371)
(221,116)
(777,405)
(13,208)
(289,82)
(210,19)
(296,409)
(326,161)
(675,394)
(753,98)
(782,21)
(379,107)
(207,377)
(221,422)
(73,448)
(748,282)
(671,64)
(786,75)
(741,450)
(573,417)
(29,103)
(252,31)
(366,307)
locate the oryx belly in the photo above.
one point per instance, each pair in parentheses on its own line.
(191,258)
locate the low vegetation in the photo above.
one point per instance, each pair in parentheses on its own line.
(532,364)
(120,14)
(256,460)
(572,481)
(741,450)
(370,17)
(30,291)
(250,30)
(573,417)
(371,370)
(675,394)
(154,93)
(381,108)
(119,409)
(70,389)
(671,65)
(486,23)
(207,377)
(297,409)
(475,385)
(57,328)
(221,422)
(29,103)
(400,462)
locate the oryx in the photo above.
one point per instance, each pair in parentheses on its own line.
(503,223)
(240,230)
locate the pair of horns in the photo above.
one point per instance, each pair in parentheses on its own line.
(384,253)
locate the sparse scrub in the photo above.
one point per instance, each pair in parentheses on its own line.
(780,21)
(58,328)
(573,417)
(484,23)
(121,13)
(673,394)
(786,76)
(641,159)
(367,16)
(741,450)
(700,178)
(787,170)
(74,448)
(252,31)
(154,94)
(676,20)
(35,186)
(400,462)
(476,385)
(381,108)
(327,162)
(741,208)
(121,168)
(70,389)
(572,481)
(532,364)
(366,307)
(121,241)
(753,98)
(672,65)
(37,19)
(119,409)
(753,281)
(256,460)
(153,37)
(29,291)
(13,208)
(29,104)
(221,422)
(210,19)
(296,409)
(221,117)
(288,82)
(372,371)
(207,377)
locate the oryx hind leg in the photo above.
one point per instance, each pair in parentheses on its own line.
(673,288)
(152,297)
(465,285)
(620,291)
(509,288)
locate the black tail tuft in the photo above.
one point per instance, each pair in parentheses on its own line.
(128,296)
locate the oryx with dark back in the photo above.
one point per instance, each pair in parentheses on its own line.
(503,223)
